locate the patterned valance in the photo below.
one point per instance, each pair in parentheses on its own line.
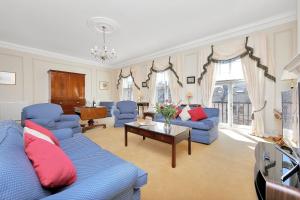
(121,76)
(170,67)
(249,51)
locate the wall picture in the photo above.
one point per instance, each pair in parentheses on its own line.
(103,85)
(144,84)
(7,78)
(190,80)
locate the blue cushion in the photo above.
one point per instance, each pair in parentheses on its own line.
(127,116)
(18,180)
(36,111)
(205,124)
(127,106)
(66,124)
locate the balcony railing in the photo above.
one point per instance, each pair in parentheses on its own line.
(241,112)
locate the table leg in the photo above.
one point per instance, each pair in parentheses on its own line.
(144,137)
(189,144)
(173,155)
(125,136)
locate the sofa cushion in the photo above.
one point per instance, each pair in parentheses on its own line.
(184,115)
(33,126)
(127,106)
(197,114)
(39,111)
(51,164)
(66,124)
(205,124)
(126,116)
(16,172)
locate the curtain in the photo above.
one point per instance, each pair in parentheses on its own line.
(255,82)
(120,88)
(207,86)
(205,90)
(175,88)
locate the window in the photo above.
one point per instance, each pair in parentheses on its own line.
(163,92)
(231,95)
(127,88)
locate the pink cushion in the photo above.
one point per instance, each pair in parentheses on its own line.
(30,124)
(50,163)
(197,114)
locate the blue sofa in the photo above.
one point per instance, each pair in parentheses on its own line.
(100,174)
(124,112)
(109,106)
(203,131)
(50,116)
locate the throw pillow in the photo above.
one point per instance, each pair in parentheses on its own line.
(184,115)
(50,163)
(30,124)
(178,111)
(197,114)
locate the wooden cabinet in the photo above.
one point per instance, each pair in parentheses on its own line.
(67,89)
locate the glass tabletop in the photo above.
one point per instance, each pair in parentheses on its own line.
(159,128)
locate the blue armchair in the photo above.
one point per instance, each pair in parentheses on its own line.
(125,111)
(51,117)
(109,106)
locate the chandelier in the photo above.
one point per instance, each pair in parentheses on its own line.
(105,26)
(103,54)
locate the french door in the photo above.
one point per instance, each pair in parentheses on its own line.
(232,100)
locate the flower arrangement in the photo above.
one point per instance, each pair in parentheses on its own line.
(167,110)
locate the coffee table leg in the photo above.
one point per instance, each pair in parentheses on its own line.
(125,136)
(144,137)
(189,144)
(173,155)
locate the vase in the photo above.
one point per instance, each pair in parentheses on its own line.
(167,125)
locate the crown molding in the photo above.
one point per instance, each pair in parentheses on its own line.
(231,33)
(49,54)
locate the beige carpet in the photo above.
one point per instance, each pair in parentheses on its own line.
(222,170)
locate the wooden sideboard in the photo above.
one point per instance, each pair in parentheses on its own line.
(67,89)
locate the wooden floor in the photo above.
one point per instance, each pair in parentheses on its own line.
(222,170)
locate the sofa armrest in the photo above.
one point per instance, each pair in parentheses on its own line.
(62,134)
(103,185)
(69,118)
(47,123)
(135,112)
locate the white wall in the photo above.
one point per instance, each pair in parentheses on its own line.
(32,81)
(283,41)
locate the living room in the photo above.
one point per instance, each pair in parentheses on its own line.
(149,100)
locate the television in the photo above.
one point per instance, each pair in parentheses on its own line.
(290,119)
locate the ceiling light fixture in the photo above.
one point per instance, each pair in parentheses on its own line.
(105,26)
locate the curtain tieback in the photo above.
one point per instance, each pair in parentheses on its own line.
(258,110)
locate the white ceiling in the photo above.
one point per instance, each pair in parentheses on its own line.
(146,26)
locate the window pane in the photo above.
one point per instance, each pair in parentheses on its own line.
(220,101)
(162,87)
(127,88)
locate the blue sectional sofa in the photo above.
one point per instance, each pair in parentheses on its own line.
(100,174)
(203,131)
(51,117)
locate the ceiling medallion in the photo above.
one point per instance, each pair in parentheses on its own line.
(103,26)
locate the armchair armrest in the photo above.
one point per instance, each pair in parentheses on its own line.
(69,118)
(47,123)
(62,134)
(103,185)
(116,112)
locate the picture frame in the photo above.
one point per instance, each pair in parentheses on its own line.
(190,80)
(103,85)
(144,84)
(7,78)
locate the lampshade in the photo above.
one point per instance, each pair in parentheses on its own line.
(286,75)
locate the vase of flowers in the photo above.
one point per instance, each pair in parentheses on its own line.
(168,111)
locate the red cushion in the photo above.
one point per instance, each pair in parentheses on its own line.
(197,114)
(178,111)
(50,163)
(30,124)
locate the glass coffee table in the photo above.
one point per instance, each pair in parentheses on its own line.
(172,136)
